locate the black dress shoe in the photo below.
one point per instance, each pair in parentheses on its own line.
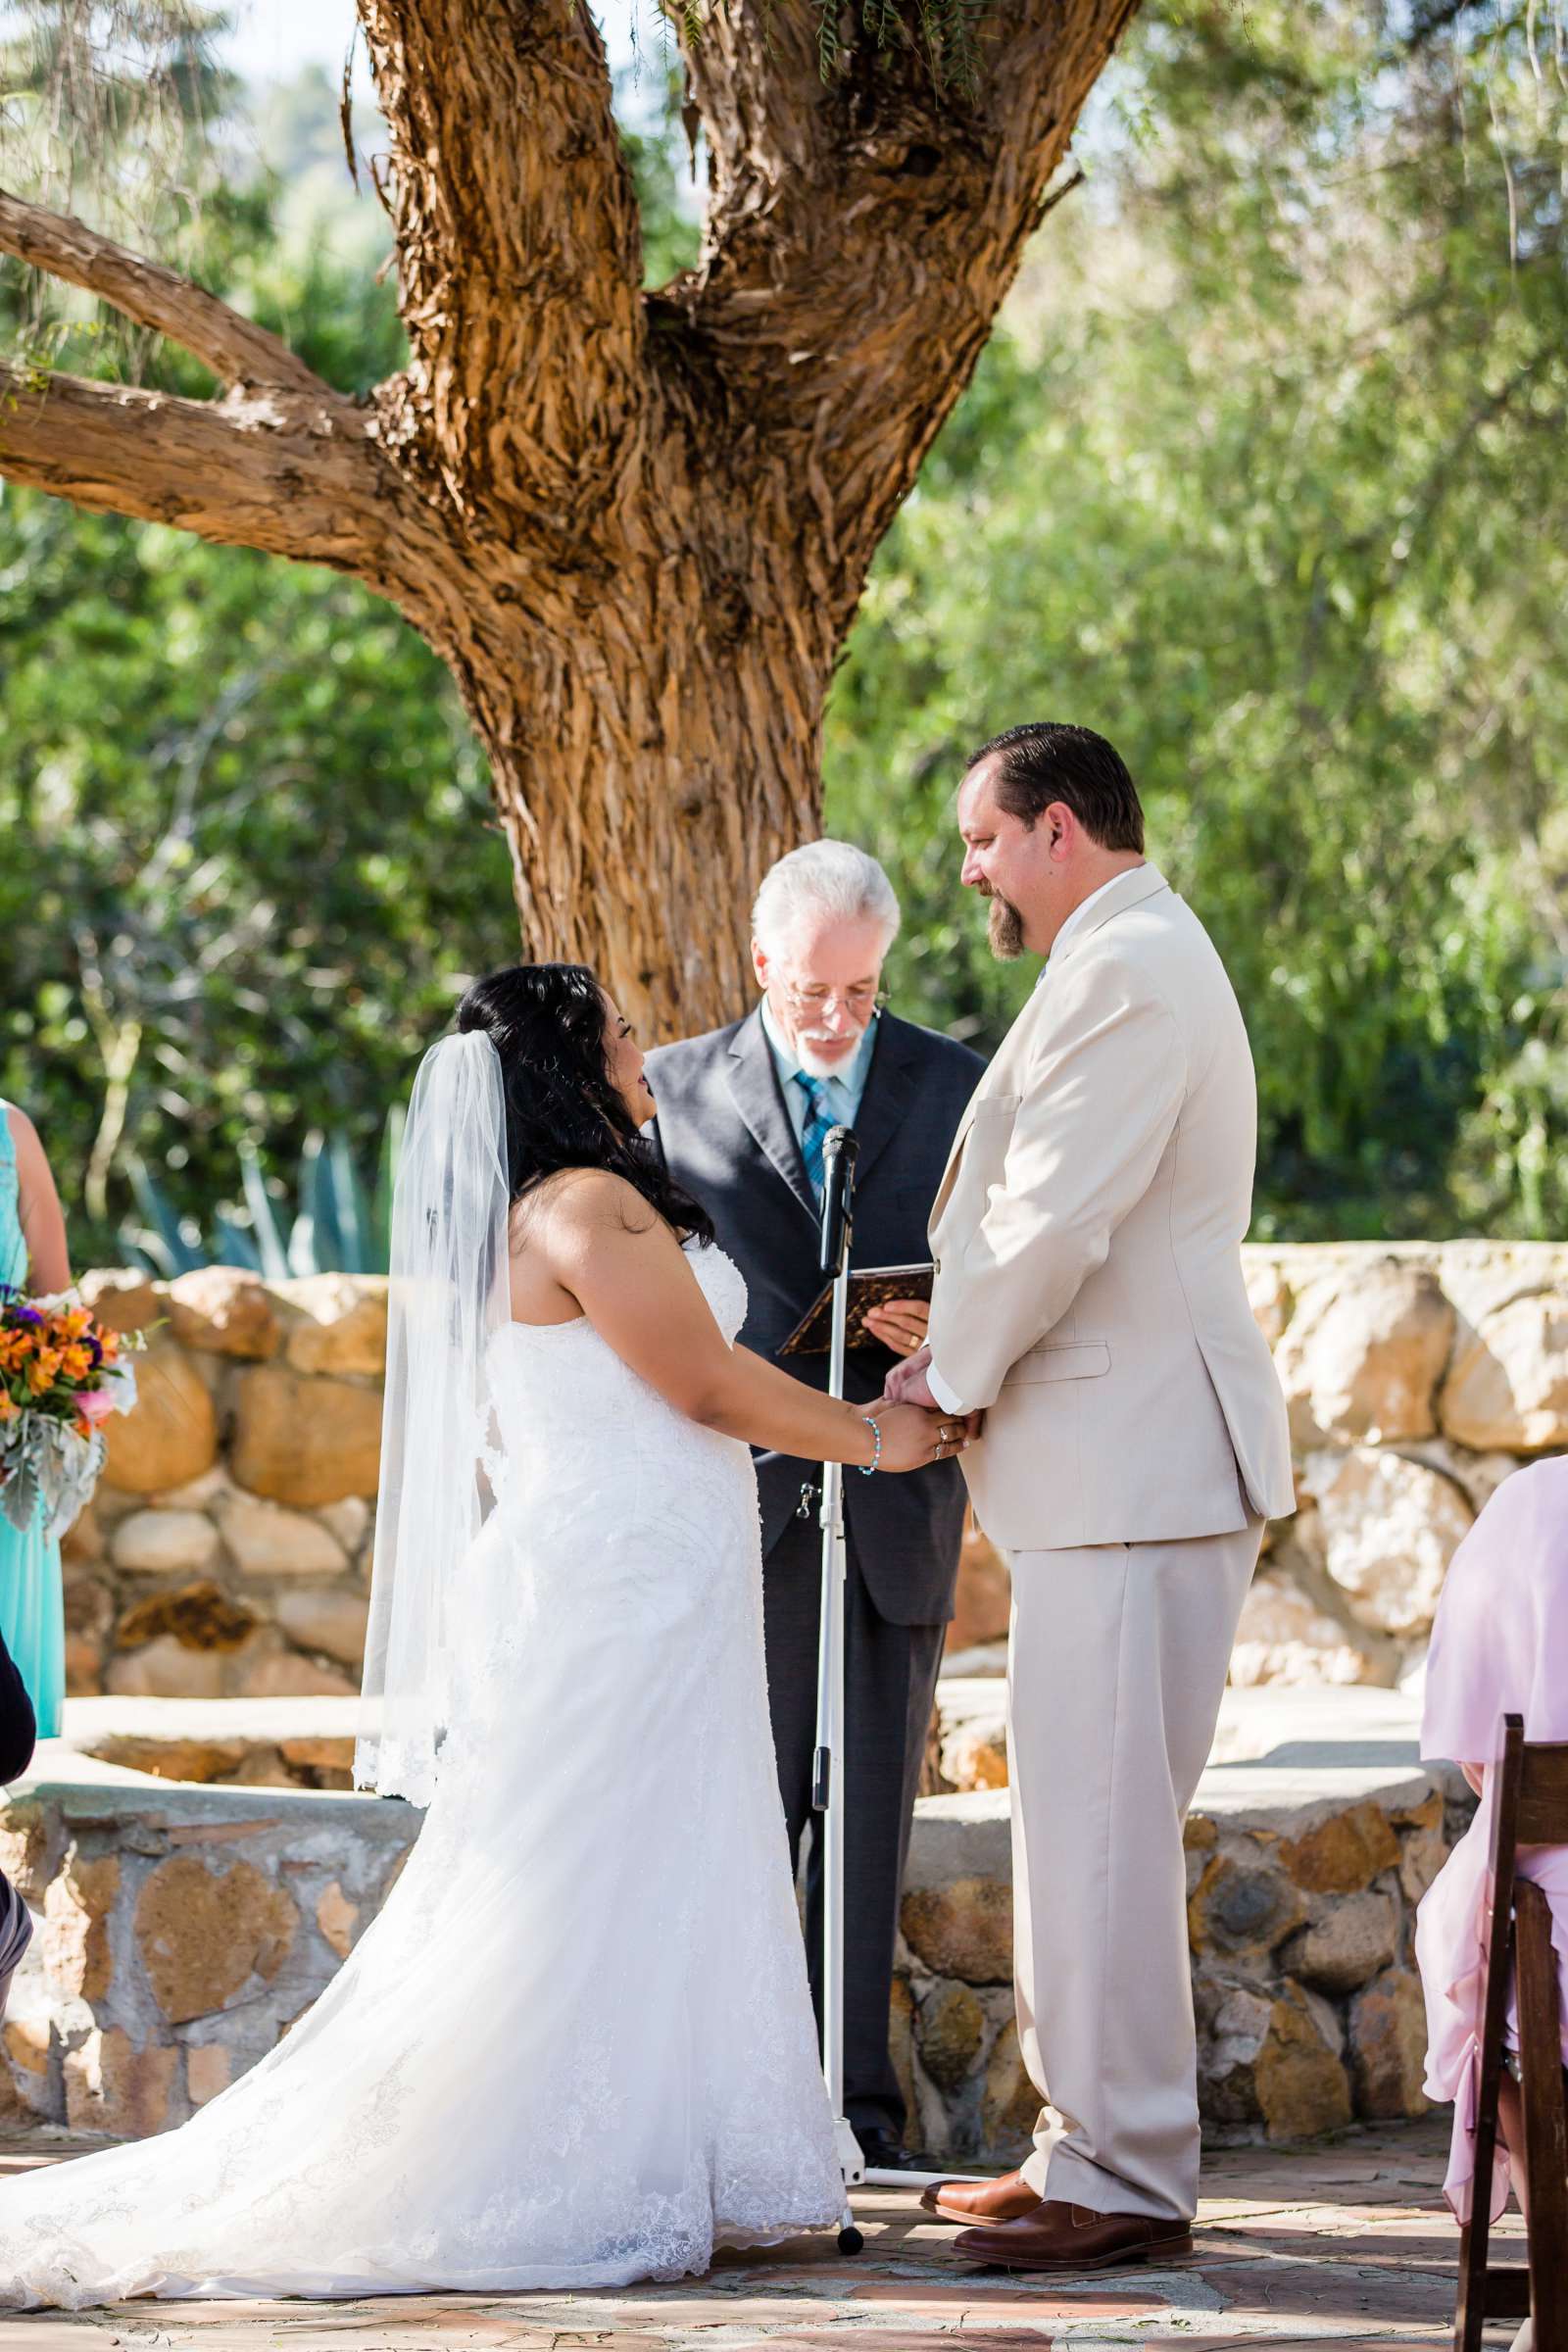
(882,2153)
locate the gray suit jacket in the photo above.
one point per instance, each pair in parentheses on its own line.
(726,1136)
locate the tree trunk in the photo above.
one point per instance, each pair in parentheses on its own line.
(654,727)
(643,792)
(635,525)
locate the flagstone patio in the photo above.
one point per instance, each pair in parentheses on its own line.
(1343,2242)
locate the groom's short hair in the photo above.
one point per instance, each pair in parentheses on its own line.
(1053,762)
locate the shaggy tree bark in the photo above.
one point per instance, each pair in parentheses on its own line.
(636,525)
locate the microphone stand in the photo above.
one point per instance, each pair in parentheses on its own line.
(828,1776)
(827,1769)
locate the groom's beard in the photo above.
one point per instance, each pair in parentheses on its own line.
(1004,929)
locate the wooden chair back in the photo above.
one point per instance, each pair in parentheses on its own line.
(1530,1808)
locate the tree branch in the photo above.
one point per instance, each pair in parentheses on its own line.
(861,235)
(520,254)
(271,471)
(235,348)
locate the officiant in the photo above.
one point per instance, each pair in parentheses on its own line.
(743,1114)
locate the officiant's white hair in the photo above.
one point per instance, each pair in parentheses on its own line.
(825,881)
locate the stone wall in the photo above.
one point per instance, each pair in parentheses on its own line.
(181,1934)
(1418,1376)
(1301,1918)
(183,1929)
(227,1552)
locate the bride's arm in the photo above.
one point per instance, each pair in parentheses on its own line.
(627,1272)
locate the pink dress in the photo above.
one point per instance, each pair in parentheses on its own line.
(1499,1646)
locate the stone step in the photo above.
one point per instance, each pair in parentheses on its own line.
(186,1926)
(245,1743)
(1291,1723)
(308,1742)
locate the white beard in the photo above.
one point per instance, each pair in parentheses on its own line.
(816,1065)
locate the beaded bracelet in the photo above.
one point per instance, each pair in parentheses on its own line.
(866,1469)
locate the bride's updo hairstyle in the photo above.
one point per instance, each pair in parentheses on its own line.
(547,1024)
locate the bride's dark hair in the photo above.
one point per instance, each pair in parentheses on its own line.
(546,1022)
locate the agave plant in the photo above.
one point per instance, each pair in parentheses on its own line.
(339,1223)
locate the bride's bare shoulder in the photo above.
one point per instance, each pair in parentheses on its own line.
(575,1205)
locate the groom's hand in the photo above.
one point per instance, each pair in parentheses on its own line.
(906,1383)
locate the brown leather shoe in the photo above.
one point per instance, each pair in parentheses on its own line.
(1056,2237)
(987,2201)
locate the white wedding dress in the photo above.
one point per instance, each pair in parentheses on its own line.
(575,2049)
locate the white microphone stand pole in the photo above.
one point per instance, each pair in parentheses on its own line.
(828,1777)
(827,1770)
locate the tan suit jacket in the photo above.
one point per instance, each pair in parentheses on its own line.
(1089,1288)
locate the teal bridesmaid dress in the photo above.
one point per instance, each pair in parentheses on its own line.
(32,1616)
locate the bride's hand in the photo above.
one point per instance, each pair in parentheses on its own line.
(912,1437)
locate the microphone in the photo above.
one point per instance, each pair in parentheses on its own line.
(838,1148)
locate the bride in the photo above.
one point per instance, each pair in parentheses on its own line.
(575,2049)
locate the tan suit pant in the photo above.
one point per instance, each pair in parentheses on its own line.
(1116,1663)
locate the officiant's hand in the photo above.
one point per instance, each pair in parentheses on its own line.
(906,1383)
(899,1324)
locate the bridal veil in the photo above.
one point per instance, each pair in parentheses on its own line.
(449,1293)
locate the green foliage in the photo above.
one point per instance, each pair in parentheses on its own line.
(251,858)
(112,112)
(1265,478)
(665,166)
(250,854)
(1263,475)
(341,1224)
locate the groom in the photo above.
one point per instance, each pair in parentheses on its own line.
(1089,1299)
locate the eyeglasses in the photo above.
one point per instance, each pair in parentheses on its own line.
(857,1003)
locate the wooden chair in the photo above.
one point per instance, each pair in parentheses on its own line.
(1532,1809)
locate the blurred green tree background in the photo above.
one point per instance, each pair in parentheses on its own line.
(1263,475)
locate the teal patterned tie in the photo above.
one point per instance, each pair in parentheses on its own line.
(820,1125)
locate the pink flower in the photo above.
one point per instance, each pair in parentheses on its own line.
(96,1404)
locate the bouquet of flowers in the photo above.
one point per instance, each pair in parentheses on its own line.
(62,1374)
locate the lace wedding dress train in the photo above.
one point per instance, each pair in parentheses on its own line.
(576,2046)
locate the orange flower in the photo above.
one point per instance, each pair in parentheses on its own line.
(109,1342)
(75,1323)
(74,1361)
(9,1407)
(38,1377)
